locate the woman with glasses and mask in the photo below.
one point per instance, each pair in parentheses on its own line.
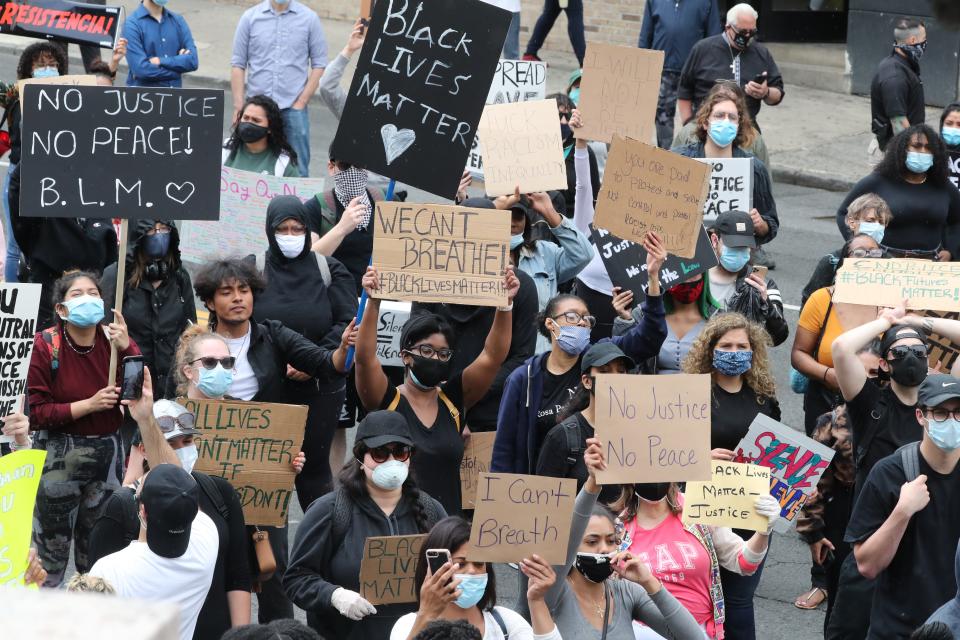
(536,392)
(430,398)
(377,496)
(258,142)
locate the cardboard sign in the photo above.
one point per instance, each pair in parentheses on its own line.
(522,146)
(649,189)
(244,198)
(366,9)
(73,81)
(942,350)
(19,304)
(388,568)
(654,428)
(124,152)
(252,446)
(20,474)
(626,262)
(433,253)
(517,516)
(477,457)
(796,463)
(419,89)
(886,283)
(62,20)
(731,186)
(618,92)
(393,315)
(727,499)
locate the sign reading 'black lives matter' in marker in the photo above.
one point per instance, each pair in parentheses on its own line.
(417,95)
(101,152)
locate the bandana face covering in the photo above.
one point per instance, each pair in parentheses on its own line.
(352,183)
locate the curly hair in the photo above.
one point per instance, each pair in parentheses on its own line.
(86,583)
(893,164)
(187,349)
(276,134)
(214,275)
(758,377)
(867,202)
(37,49)
(721,92)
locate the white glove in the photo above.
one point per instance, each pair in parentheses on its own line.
(768,507)
(351,604)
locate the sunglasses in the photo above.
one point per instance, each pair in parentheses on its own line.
(400,453)
(169,423)
(918,350)
(211,363)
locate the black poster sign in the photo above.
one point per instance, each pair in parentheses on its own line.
(62,20)
(626,262)
(125,152)
(419,90)
(953,164)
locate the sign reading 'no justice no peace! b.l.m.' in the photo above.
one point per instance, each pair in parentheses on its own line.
(419,89)
(125,152)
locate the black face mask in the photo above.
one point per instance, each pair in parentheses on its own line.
(594,567)
(249,132)
(652,491)
(743,39)
(909,370)
(428,373)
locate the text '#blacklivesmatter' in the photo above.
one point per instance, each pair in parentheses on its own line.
(419,90)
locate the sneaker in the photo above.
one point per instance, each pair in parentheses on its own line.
(530,57)
(761,258)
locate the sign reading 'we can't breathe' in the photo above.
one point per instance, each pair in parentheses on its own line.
(101,152)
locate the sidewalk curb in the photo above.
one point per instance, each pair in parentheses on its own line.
(811,179)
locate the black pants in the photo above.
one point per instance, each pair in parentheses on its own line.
(90,53)
(600,307)
(324,411)
(850,616)
(272,600)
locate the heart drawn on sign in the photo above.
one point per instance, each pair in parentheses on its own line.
(396,142)
(180,193)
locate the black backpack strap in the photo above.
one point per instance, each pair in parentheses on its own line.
(341,513)
(910,457)
(876,415)
(500,623)
(209,487)
(574,450)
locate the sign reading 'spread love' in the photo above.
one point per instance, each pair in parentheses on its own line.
(419,89)
(434,253)
(125,152)
(62,20)
(924,284)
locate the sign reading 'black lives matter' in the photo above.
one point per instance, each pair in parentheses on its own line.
(419,90)
(101,152)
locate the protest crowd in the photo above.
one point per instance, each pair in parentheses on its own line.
(556,363)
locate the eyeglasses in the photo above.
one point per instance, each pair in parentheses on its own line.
(169,423)
(400,453)
(426,351)
(746,33)
(721,115)
(866,253)
(941,415)
(572,317)
(211,363)
(919,350)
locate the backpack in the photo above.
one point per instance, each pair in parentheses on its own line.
(910,458)
(209,487)
(342,510)
(322,264)
(328,206)
(500,623)
(51,338)
(575,449)
(454,412)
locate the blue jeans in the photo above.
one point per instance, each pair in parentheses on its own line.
(511,46)
(12,260)
(551,10)
(296,126)
(738,597)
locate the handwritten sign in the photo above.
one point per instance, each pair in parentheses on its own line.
(393,315)
(252,446)
(886,283)
(476,460)
(62,20)
(19,304)
(519,515)
(618,92)
(796,463)
(727,499)
(953,167)
(244,198)
(20,474)
(419,89)
(522,146)
(942,350)
(433,253)
(388,567)
(655,428)
(73,81)
(124,152)
(731,186)
(649,189)
(626,262)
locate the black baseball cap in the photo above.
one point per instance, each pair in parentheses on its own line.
(735,229)
(172,500)
(604,353)
(895,333)
(383,427)
(478,202)
(937,388)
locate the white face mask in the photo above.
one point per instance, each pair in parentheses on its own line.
(188,457)
(290,246)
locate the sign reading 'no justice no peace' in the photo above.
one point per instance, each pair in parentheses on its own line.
(419,90)
(102,152)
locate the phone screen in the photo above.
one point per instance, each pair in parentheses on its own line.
(132,387)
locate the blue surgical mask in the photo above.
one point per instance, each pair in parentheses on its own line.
(157,245)
(472,587)
(732,363)
(187,455)
(574,339)
(516,241)
(390,475)
(723,132)
(946,434)
(918,162)
(873,229)
(84,311)
(161,3)
(46,72)
(215,382)
(575,95)
(950,135)
(733,259)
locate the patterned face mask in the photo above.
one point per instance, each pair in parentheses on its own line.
(352,183)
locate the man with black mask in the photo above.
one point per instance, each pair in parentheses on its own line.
(896,92)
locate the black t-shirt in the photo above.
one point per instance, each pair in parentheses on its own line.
(919,579)
(438,449)
(732,413)
(557,391)
(896,90)
(880,424)
(555,454)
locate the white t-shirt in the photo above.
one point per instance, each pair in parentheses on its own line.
(510,5)
(517,627)
(137,572)
(245,384)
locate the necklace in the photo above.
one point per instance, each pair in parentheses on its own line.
(590,602)
(77,350)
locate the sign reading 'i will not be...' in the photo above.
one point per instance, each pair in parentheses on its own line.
(419,89)
(101,152)
(649,189)
(433,253)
